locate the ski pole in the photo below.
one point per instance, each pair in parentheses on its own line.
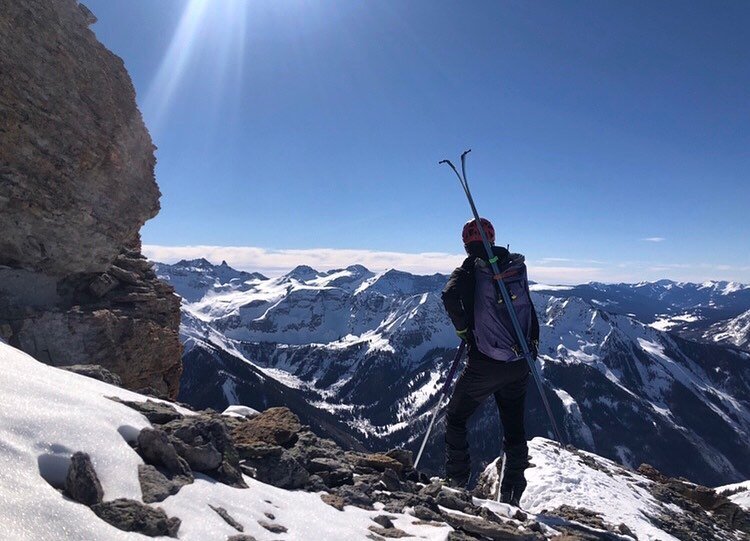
(504,293)
(441,396)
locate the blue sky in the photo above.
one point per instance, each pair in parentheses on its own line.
(292,131)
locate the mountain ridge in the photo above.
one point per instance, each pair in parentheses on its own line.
(373,350)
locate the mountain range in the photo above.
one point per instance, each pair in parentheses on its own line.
(633,371)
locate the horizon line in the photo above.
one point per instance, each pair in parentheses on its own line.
(277,262)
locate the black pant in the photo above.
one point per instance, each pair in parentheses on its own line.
(480,379)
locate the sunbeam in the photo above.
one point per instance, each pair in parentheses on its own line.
(217,26)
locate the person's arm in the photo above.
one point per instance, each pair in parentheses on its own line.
(452,300)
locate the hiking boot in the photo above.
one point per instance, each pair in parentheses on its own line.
(515,462)
(457,482)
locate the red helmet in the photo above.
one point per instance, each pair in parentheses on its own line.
(471,231)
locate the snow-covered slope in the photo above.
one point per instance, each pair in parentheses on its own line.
(735,331)
(373,350)
(49,414)
(739,493)
(682,307)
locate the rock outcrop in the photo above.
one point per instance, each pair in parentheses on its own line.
(76,185)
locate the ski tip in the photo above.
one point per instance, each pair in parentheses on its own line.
(466,152)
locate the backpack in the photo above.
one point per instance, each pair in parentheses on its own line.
(493,328)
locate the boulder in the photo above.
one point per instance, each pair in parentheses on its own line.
(82,483)
(271,527)
(156,486)
(278,426)
(134,516)
(94,371)
(275,466)
(156,449)
(376,461)
(156,412)
(402,455)
(205,444)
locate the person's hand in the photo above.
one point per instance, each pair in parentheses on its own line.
(535,348)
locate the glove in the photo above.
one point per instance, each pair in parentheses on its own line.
(535,349)
(463,334)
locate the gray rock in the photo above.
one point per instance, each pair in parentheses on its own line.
(128,277)
(241,537)
(103,284)
(390,480)
(402,455)
(354,495)
(391,532)
(337,478)
(152,392)
(94,371)
(432,490)
(489,530)
(204,441)
(458,535)
(82,483)
(459,501)
(315,484)
(156,449)
(156,412)
(258,450)
(157,487)
(396,501)
(277,469)
(384,521)
(273,528)
(320,464)
(201,457)
(424,513)
(223,513)
(134,516)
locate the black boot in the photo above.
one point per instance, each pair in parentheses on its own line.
(515,462)
(457,467)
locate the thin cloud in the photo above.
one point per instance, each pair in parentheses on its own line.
(654,239)
(277,262)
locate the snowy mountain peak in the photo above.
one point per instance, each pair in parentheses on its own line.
(200,263)
(302,273)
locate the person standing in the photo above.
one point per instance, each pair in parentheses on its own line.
(495,365)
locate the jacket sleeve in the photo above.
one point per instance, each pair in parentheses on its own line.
(534,325)
(452,299)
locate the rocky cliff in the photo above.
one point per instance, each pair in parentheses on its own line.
(76,185)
